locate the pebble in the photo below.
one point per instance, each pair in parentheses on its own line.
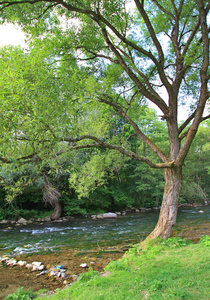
(53,273)
(29,266)
(36,263)
(4,258)
(11,262)
(38,268)
(42,273)
(84,265)
(22,263)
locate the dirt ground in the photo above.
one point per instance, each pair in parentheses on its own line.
(15,277)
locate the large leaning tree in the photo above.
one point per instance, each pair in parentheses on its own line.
(133,51)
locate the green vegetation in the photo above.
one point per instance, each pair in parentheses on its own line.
(158,269)
(172,269)
(20,294)
(125,184)
(75,102)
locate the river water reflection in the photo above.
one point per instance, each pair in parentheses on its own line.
(88,233)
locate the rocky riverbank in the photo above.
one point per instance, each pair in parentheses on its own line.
(52,271)
(22,221)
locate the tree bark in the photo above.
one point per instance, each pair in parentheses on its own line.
(169,207)
(57,210)
(51,196)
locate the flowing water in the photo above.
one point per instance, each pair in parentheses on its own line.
(81,240)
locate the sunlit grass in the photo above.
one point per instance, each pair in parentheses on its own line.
(172,269)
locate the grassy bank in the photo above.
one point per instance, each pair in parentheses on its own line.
(172,269)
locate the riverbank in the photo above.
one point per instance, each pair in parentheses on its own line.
(84,241)
(22,221)
(155,270)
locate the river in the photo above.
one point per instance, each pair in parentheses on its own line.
(83,240)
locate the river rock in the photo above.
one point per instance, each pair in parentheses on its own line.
(4,222)
(94,217)
(42,273)
(38,268)
(4,258)
(110,215)
(22,221)
(99,216)
(36,263)
(53,273)
(29,266)
(22,263)
(11,262)
(47,219)
(84,265)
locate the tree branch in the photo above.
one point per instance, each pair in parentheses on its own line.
(163,9)
(138,132)
(182,127)
(158,101)
(100,143)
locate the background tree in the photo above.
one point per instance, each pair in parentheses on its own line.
(129,57)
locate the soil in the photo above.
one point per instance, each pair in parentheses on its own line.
(16,277)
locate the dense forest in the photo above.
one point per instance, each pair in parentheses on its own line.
(95,181)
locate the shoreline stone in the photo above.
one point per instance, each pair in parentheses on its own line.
(22,221)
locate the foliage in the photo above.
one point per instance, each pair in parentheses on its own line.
(205,240)
(20,294)
(84,82)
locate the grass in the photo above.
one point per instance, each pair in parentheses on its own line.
(156,270)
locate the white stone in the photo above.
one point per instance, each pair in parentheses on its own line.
(4,222)
(4,258)
(201,211)
(110,215)
(53,273)
(84,265)
(42,273)
(36,263)
(38,268)
(11,262)
(29,266)
(22,221)
(41,268)
(21,263)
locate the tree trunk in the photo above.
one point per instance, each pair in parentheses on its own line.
(51,196)
(57,210)
(169,207)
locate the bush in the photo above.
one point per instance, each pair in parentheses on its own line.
(19,294)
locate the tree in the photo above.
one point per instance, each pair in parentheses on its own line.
(130,58)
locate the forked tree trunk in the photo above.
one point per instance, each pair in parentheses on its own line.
(51,196)
(169,207)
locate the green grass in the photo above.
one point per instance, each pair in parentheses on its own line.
(158,270)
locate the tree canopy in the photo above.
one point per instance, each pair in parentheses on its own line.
(94,64)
